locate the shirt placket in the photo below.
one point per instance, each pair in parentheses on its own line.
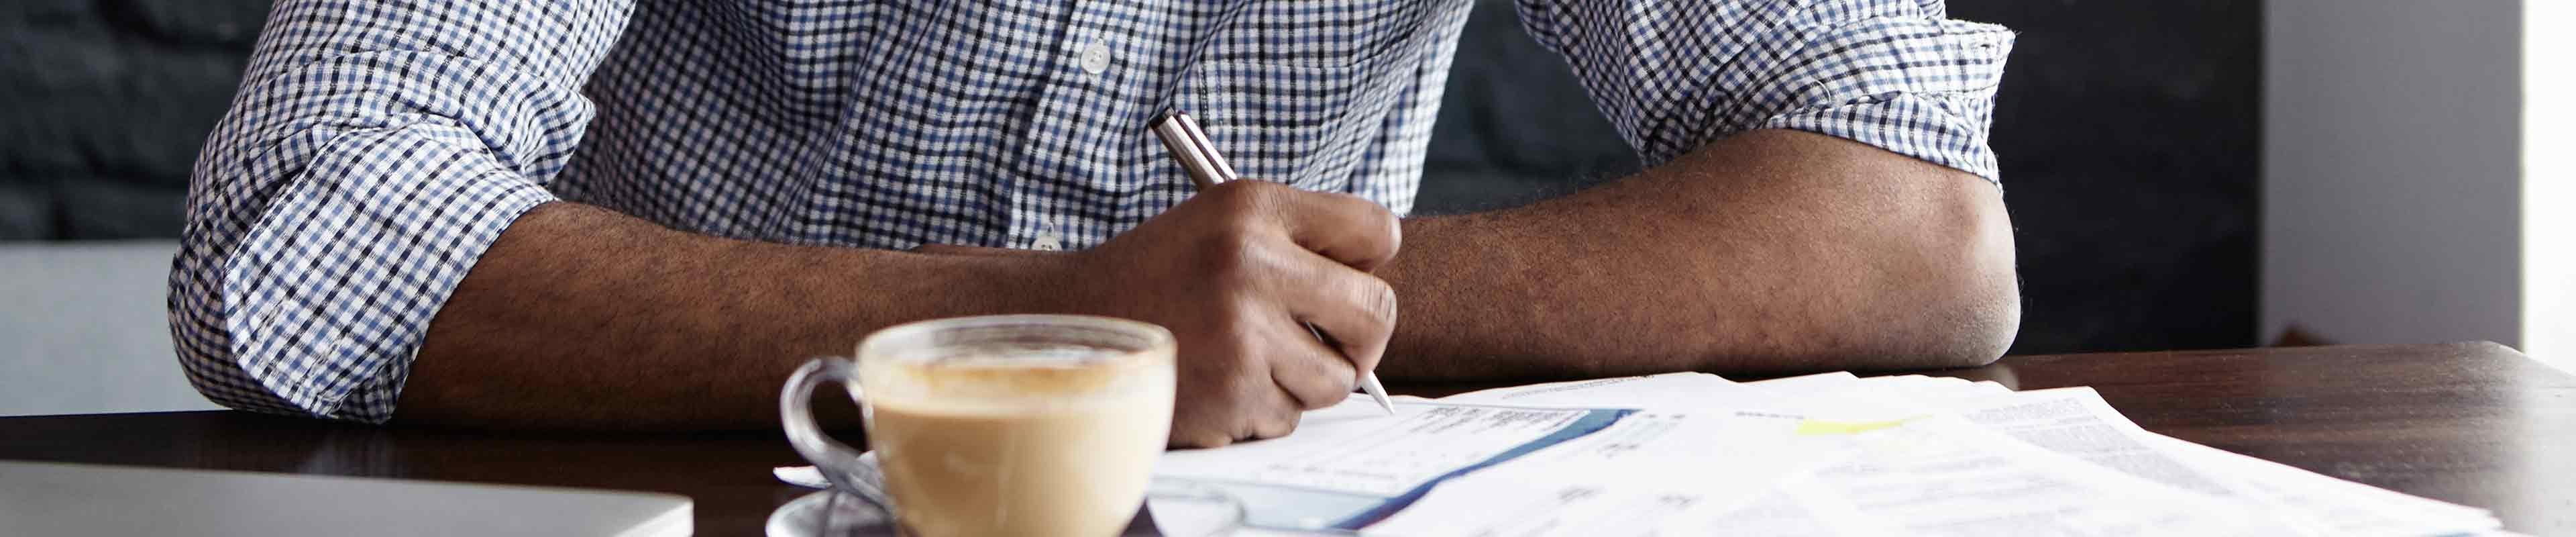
(1068,128)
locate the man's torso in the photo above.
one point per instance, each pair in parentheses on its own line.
(1008,124)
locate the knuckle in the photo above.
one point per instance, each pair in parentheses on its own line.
(1265,188)
(1390,228)
(1274,426)
(1380,223)
(1377,216)
(1238,220)
(1248,428)
(1189,429)
(1236,238)
(1203,439)
(1379,302)
(1242,194)
(1285,421)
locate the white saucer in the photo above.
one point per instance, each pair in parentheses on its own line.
(1189,510)
(848,516)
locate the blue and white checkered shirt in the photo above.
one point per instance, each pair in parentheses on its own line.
(377,147)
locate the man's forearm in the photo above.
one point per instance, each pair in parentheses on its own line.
(579,316)
(1771,251)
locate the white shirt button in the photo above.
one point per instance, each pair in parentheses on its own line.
(1048,242)
(1095,58)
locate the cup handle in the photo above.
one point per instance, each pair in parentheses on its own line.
(837,462)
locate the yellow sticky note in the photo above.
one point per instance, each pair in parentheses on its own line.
(1822,427)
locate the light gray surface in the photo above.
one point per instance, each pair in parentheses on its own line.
(84,328)
(2391,169)
(2549,182)
(80,499)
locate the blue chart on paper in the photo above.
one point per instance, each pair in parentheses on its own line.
(1273,504)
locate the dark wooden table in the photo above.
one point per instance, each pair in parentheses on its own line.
(2471,423)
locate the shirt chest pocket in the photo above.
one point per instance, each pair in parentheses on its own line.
(1310,33)
(1295,91)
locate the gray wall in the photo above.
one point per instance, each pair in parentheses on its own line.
(2392,168)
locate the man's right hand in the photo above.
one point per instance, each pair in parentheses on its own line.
(1236,272)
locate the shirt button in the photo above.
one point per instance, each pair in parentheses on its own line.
(1048,242)
(1095,58)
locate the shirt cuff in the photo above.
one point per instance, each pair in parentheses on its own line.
(1923,88)
(325,302)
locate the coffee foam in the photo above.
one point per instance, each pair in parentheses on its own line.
(1030,355)
(1016,378)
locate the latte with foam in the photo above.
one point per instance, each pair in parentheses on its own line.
(1016,437)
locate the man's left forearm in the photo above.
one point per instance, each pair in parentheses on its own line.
(1772,251)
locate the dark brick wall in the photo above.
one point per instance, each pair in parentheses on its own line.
(108,101)
(2128,132)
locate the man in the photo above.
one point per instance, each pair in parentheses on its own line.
(595,214)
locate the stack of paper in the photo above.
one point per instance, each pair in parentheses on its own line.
(1833,454)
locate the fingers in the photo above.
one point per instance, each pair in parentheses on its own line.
(1310,370)
(1277,422)
(1190,435)
(1264,408)
(1356,312)
(1240,400)
(1271,422)
(1345,228)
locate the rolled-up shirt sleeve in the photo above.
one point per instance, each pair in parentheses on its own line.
(1672,76)
(374,150)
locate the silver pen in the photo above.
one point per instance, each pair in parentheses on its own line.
(1198,157)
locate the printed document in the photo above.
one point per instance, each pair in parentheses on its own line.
(1819,455)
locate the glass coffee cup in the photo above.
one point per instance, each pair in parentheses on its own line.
(999,425)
